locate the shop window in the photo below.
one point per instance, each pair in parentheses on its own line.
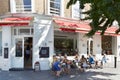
(18,48)
(64,46)
(107,45)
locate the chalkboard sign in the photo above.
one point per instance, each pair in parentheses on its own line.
(5,52)
(44,52)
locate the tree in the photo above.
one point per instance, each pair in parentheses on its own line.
(101,14)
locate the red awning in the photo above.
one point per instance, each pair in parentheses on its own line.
(15,21)
(73,25)
(81,27)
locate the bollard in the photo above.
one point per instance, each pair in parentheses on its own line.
(115,62)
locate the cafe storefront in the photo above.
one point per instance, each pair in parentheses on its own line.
(20,31)
(45,36)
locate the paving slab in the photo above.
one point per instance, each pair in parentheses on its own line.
(107,73)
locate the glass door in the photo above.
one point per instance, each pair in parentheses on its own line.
(18,58)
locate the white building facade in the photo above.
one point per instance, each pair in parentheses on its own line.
(40,34)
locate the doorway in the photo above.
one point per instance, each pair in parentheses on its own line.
(90,46)
(28,52)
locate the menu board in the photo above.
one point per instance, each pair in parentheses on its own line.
(5,52)
(44,52)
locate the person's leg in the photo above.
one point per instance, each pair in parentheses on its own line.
(58,73)
(68,69)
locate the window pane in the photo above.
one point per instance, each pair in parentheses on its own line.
(18,48)
(76,11)
(15,32)
(32,31)
(23,5)
(55,7)
(64,46)
(107,44)
(27,5)
(24,31)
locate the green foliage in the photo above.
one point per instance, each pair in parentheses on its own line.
(102,14)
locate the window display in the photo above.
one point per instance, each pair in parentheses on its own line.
(18,48)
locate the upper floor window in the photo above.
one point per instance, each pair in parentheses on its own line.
(27,5)
(55,7)
(76,11)
(23,5)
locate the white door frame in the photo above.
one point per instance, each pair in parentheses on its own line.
(18,62)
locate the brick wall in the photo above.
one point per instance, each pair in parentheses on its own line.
(4,7)
(40,6)
(67,12)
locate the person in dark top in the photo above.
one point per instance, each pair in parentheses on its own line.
(27,52)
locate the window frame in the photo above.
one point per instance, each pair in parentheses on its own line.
(74,13)
(61,8)
(13,7)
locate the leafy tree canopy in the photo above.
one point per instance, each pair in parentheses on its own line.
(102,13)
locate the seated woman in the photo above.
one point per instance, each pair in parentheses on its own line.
(84,63)
(96,61)
(66,65)
(54,60)
(77,60)
(103,60)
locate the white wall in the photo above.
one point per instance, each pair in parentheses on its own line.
(117,52)
(12,6)
(6,42)
(97,44)
(82,43)
(43,37)
(1,49)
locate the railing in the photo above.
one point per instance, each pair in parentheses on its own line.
(23,8)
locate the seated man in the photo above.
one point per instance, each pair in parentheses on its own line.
(56,67)
(91,61)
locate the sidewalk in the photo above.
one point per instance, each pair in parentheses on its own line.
(107,73)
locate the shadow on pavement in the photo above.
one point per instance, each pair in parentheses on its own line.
(47,75)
